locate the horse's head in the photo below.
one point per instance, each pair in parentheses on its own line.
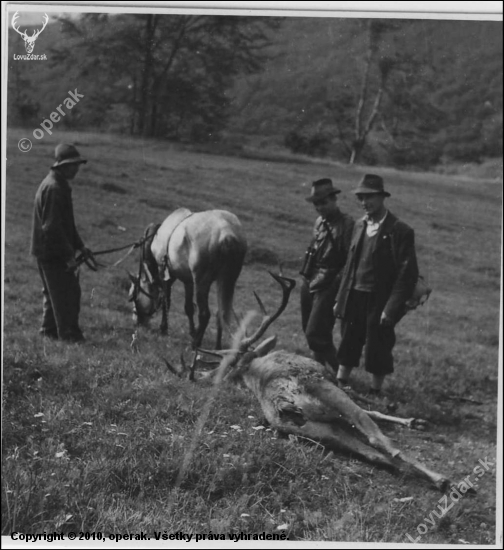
(145,295)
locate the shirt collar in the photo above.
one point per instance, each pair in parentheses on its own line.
(59,178)
(333,216)
(369,221)
(372,227)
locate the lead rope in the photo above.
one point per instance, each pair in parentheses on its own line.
(93,264)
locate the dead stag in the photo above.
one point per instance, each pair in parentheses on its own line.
(296,398)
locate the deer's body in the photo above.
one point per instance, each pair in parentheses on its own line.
(296,398)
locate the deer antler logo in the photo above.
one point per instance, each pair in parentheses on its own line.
(29,40)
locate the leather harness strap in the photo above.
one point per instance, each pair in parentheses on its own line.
(167,263)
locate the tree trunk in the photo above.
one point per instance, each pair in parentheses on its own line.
(144,126)
(357,147)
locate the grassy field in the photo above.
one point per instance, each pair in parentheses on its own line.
(94,436)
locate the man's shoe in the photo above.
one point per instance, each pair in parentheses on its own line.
(380,398)
(330,374)
(74,338)
(48,334)
(343,385)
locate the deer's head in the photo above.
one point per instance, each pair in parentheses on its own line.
(234,362)
(29,40)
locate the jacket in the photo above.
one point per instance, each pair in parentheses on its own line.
(54,235)
(395,267)
(330,244)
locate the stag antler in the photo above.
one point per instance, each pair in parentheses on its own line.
(46,20)
(23,34)
(29,40)
(244,342)
(287,287)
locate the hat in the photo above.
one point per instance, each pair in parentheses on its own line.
(322,189)
(371,183)
(67,154)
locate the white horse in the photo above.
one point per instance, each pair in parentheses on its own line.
(197,248)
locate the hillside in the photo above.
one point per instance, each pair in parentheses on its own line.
(441,105)
(94,436)
(317,59)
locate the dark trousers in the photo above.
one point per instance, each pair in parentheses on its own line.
(317,320)
(61,303)
(361,328)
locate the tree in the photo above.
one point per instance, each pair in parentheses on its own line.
(23,107)
(391,99)
(171,71)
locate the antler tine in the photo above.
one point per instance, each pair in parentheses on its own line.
(238,320)
(171,368)
(261,305)
(210,352)
(287,286)
(46,19)
(14,21)
(284,281)
(280,267)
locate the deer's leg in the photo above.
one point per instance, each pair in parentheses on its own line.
(417,423)
(165,306)
(335,437)
(338,404)
(439,480)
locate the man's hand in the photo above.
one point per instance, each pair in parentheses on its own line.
(86,253)
(386,321)
(72,264)
(86,256)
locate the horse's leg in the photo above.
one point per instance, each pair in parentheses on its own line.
(189,308)
(166,303)
(218,343)
(202,292)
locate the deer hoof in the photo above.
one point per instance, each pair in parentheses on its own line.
(392,407)
(418,424)
(443,484)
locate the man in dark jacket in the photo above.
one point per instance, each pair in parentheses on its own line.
(379,277)
(324,261)
(54,243)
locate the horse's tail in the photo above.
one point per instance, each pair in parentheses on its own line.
(232,250)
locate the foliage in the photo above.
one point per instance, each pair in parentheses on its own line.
(172,72)
(382,91)
(314,144)
(440,82)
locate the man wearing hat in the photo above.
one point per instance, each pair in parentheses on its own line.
(379,277)
(54,243)
(324,261)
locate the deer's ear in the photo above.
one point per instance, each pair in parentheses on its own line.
(265,346)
